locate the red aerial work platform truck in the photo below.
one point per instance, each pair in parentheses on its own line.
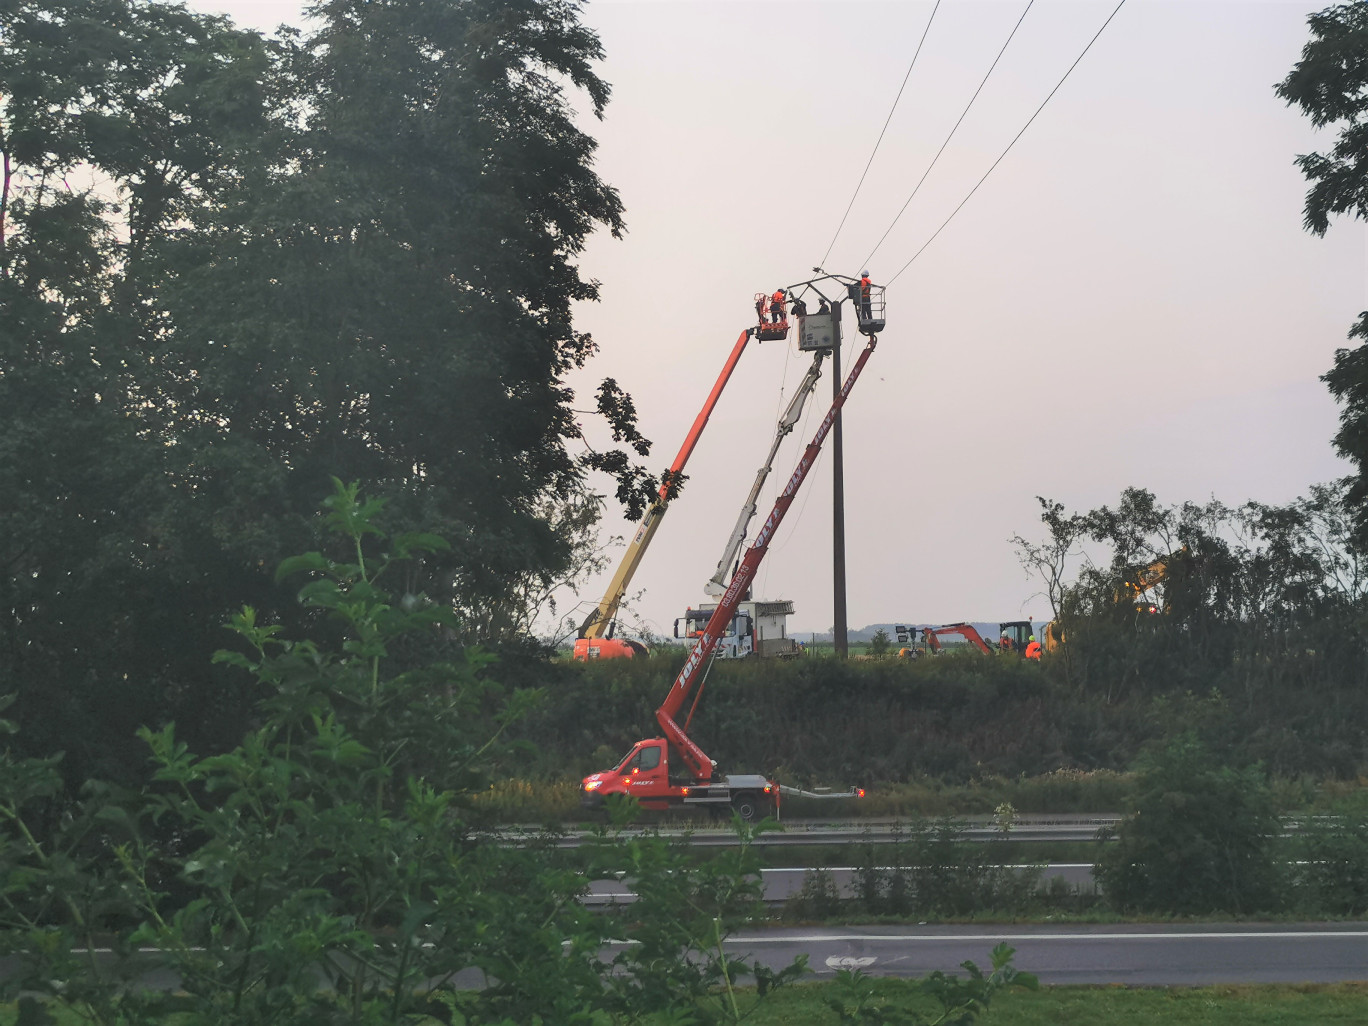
(670,771)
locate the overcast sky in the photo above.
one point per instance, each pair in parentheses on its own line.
(1129,299)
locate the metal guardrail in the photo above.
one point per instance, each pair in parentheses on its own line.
(799,833)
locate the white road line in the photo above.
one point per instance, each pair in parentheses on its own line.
(941,938)
(852,869)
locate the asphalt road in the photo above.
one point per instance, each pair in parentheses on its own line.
(1142,955)
(1136,955)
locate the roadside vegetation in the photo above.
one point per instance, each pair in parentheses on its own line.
(235,268)
(331,868)
(893,1002)
(806,1005)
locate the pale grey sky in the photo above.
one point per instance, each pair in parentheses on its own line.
(1128,300)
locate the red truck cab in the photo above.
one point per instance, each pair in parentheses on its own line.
(644,773)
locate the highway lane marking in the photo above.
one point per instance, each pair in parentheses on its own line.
(852,869)
(943,937)
(851,961)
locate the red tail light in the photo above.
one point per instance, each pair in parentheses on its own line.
(859,792)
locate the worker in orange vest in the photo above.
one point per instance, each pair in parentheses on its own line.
(777,306)
(1032,648)
(865,283)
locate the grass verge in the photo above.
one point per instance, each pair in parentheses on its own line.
(1272,1005)
(1265,1005)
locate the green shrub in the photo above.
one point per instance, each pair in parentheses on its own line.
(333,868)
(928,870)
(1199,837)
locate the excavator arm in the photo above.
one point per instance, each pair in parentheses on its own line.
(597,623)
(667,715)
(963,630)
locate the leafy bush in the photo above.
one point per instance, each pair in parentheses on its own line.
(928,870)
(858,999)
(332,868)
(1199,838)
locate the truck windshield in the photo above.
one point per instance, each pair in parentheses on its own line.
(647,758)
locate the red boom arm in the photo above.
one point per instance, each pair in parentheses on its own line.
(601,616)
(686,450)
(697,760)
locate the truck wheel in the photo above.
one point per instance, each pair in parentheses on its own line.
(747,806)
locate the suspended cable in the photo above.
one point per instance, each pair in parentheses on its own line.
(953,130)
(1004,153)
(869,162)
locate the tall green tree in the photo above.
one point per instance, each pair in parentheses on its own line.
(389,298)
(232,267)
(117,119)
(1330,85)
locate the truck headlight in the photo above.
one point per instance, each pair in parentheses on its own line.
(592,785)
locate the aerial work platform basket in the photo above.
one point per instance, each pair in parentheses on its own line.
(770,330)
(868,301)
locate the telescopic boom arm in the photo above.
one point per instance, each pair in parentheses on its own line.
(694,757)
(601,617)
(718,583)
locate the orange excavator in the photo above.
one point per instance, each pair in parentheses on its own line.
(950,636)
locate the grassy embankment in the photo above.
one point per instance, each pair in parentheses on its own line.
(959,735)
(1281,1005)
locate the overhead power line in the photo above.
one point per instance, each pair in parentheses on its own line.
(1004,153)
(917,187)
(860,183)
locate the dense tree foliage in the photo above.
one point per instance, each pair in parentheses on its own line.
(333,867)
(1330,85)
(232,267)
(1155,596)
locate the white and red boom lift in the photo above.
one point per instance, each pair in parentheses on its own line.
(645,771)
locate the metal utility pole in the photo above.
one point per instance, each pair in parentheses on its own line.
(838,562)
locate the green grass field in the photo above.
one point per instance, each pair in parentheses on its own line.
(1304,1005)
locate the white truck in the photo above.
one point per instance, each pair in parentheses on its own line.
(757,628)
